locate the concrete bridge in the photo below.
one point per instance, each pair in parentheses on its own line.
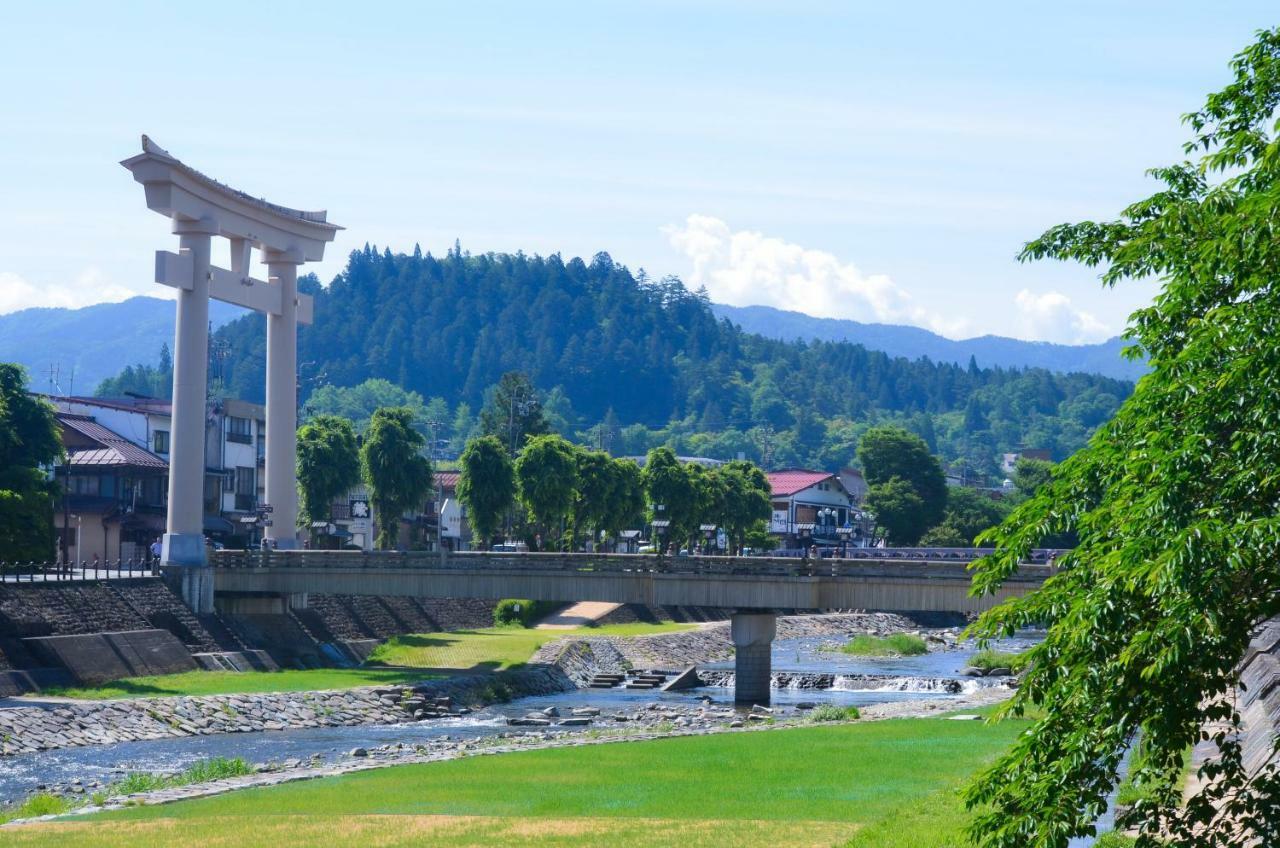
(757,587)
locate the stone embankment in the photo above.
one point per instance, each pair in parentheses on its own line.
(64,725)
(582,657)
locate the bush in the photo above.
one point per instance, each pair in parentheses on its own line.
(514,611)
(987,660)
(894,645)
(832,712)
(215,768)
(41,804)
(1112,839)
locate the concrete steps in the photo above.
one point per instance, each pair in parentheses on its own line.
(645,680)
(606,681)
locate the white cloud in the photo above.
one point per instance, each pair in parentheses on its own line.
(1051,317)
(89,287)
(745,268)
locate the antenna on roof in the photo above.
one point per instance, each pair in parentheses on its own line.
(55,369)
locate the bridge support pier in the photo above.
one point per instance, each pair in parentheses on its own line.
(753,634)
(193,583)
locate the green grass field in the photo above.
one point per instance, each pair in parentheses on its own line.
(890,784)
(235,682)
(492,648)
(411,658)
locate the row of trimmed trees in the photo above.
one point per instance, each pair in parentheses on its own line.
(569,493)
(552,492)
(389,459)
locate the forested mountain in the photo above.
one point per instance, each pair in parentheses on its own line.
(628,362)
(913,342)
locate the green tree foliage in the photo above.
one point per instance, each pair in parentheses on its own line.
(888,452)
(655,354)
(626,497)
(486,486)
(143,379)
(513,412)
(745,501)
(1174,502)
(668,484)
(358,403)
(28,440)
(1030,475)
(969,513)
(396,472)
(594,492)
(546,474)
(899,511)
(328,464)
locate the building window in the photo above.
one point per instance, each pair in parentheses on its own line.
(246,489)
(83,484)
(160,439)
(239,430)
(262,440)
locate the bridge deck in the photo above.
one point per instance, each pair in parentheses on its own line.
(730,582)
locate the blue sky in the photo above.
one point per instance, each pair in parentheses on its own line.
(874,161)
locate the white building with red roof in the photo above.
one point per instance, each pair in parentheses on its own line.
(812,506)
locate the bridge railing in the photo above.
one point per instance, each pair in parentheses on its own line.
(596,563)
(90,570)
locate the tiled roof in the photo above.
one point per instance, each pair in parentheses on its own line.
(115,450)
(447,480)
(788,481)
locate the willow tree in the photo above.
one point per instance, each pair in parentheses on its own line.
(397,473)
(328,465)
(486,486)
(1176,504)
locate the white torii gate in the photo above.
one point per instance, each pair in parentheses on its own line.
(201,208)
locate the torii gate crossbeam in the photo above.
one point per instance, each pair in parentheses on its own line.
(201,208)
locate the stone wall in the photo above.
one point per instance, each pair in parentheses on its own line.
(31,729)
(77,608)
(349,617)
(1259,700)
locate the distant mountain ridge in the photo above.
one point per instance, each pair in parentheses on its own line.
(913,342)
(89,344)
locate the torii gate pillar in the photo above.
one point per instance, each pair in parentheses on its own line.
(200,209)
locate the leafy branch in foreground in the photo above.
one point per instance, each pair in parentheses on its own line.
(1175,503)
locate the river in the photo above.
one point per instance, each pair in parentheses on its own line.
(859,682)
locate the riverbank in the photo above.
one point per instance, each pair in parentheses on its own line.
(664,723)
(70,724)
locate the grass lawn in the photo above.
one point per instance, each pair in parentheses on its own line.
(236,682)
(893,645)
(492,648)
(889,784)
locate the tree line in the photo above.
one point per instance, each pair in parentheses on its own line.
(626,363)
(550,492)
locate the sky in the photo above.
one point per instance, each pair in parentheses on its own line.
(882,162)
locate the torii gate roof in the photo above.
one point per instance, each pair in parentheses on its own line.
(176,189)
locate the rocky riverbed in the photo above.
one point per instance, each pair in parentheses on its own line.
(581,726)
(67,724)
(582,656)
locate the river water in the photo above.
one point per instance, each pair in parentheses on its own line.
(859,682)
